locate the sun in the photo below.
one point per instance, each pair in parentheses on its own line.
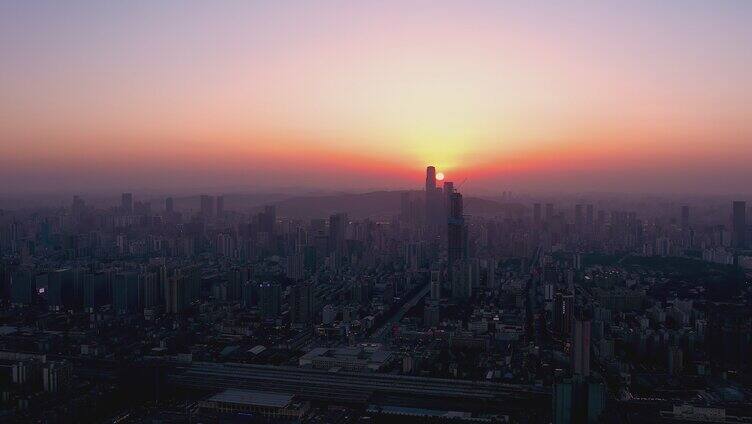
(439,176)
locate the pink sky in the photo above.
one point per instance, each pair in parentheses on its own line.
(587,96)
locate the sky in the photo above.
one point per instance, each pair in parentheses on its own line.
(638,96)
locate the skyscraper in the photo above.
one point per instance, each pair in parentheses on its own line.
(491,281)
(125,292)
(445,200)
(60,288)
(456,231)
(337,227)
(562,314)
(126,202)
(433,199)
(435,285)
(269,299)
(430,180)
(267,219)
(537,213)
(578,400)
(301,303)
(578,217)
(589,215)
(581,347)
(220,206)
(405,207)
(685,217)
(549,211)
(207,206)
(169,205)
(740,224)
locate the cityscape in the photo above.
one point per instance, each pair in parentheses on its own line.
(404,211)
(452,308)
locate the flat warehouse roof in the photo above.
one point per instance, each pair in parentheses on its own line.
(249,397)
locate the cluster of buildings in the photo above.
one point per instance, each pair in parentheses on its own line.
(450,309)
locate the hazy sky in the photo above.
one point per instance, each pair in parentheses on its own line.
(579,95)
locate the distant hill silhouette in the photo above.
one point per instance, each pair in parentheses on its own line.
(232,201)
(378,204)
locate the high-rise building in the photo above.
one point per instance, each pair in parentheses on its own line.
(269,299)
(562,313)
(126,202)
(182,289)
(685,217)
(169,205)
(589,215)
(549,211)
(447,198)
(301,303)
(57,376)
(435,285)
(405,207)
(434,210)
(491,281)
(578,400)
(740,224)
(461,278)
(456,231)
(22,287)
(267,219)
(537,213)
(125,292)
(78,206)
(149,293)
(220,206)
(578,216)
(59,292)
(295,266)
(729,335)
(675,363)
(96,289)
(431,314)
(581,347)
(337,228)
(207,206)
(430,179)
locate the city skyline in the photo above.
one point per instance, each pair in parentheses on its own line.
(588,97)
(351,212)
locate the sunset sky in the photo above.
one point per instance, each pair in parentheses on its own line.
(584,95)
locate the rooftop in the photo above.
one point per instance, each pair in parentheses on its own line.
(249,397)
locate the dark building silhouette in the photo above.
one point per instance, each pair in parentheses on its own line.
(434,203)
(685,217)
(739,226)
(301,303)
(729,335)
(589,215)
(220,206)
(126,202)
(456,231)
(581,347)
(270,298)
(337,228)
(207,206)
(562,315)
(125,296)
(549,212)
(578,400)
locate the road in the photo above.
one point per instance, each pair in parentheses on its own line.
(379,333)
